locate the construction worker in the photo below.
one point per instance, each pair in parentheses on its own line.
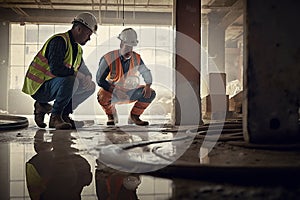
(56,171)
(118,78)
(113,185)
(59,73)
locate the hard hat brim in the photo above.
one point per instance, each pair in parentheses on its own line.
(94,31)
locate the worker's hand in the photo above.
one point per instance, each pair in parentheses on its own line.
(120,94)
(147,91)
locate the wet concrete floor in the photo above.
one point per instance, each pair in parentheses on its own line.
(155,162)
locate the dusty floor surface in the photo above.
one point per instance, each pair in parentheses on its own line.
(160,161)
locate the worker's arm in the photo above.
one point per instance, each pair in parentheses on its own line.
(55,54)
(102,73)
(146,73)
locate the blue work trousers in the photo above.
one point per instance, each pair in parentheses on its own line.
(66,92)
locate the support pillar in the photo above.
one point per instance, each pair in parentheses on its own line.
(188,51)
(216,43)
(216,103)
(4,55)
(271,75)
(204,56)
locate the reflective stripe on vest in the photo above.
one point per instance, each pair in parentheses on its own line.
(39,69)
(116,73)
(113,67)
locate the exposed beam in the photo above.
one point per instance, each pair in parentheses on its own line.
(66,16)
(37,3)
(19,11)
(66,5)
(235,12)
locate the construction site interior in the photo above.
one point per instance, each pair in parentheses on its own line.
(224,123)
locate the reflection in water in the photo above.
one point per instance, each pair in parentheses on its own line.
(140,151)
(112,184)
(56,172)
(203,155)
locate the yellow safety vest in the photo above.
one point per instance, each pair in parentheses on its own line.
(39,69)
(116,74)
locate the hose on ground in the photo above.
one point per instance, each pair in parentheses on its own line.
(11,122)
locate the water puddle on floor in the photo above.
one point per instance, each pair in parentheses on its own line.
(61,164)
(100,162)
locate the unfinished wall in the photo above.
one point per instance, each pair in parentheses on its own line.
(272,69)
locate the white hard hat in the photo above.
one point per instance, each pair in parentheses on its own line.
(87,19)
(129,37)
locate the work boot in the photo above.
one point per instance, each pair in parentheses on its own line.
(40,110)
(75,124)
(57,122)
(135,119)
(112,119)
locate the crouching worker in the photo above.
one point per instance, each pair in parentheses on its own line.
(118,78)
(59,73)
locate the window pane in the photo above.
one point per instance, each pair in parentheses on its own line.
(91,59)
(163,57)
(163,36)
(17,75)
(17,34)
(45,32)
(62,28)
(148,55)
(31,34)
(17,188)
(93,41)
(113,36)
(103,35)
(147,37)
(30,52)
(17,55)
(101,50)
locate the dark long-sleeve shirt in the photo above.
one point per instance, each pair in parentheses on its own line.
(104,70)
(55,53)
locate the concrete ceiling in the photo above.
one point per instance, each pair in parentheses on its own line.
(228,13)
(158,12)
(108,11)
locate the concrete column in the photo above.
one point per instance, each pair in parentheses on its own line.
(216,103)
(204,56)
(272,70)
(216,43)
(188,51)
(4,55)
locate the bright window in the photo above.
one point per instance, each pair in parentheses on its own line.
(155,46)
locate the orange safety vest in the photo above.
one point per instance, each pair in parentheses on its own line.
(116,74)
